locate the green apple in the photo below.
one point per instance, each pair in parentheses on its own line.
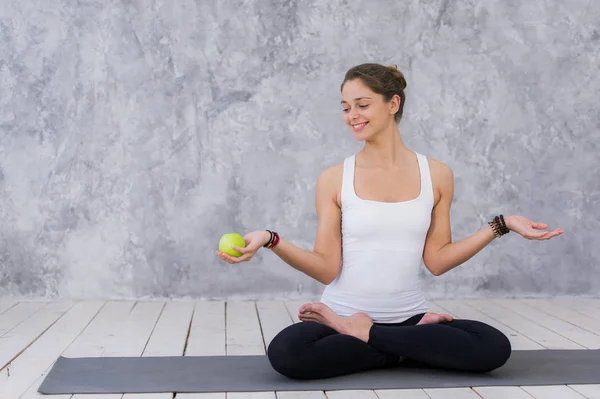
(230,239)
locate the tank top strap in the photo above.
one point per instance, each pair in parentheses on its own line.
(348,193)
(426,181)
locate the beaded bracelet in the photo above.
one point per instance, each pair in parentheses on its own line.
(498,225)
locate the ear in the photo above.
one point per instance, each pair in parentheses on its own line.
(395,104)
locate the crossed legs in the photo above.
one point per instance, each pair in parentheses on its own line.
(326,345)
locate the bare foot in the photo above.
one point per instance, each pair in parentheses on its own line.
(358,325)
(434,318)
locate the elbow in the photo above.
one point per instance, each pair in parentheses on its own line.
(329,277)
(437,272)
(434,268)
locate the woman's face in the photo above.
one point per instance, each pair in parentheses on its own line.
(365,112)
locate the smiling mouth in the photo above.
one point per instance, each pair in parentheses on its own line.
(359,126)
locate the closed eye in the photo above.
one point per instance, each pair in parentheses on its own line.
(360,106)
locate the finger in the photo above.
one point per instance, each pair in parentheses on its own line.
(220,255)
(539,225)
(555,233)
(548,235)
(229,258)
(538,234)
(305,308)
(241,258)
(242,250)
(306,318)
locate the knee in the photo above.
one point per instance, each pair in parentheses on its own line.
(499,349)
(284,355)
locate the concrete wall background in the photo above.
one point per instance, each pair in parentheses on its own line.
(134,133)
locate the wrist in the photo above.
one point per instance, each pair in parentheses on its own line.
(273,239)
(508,222)
(267,238)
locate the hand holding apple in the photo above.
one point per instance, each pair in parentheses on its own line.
(233,248)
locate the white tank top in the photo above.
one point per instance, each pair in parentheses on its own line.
(382,251)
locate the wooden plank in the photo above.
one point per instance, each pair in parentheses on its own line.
(451,393)
(243,329)
(17,314)
(273,317)
(570,331)
(6,304)
(501,392)
(130,337)
(206,338)
(244,337)
(301,395)
(401,394)
(23,335)
(251,395)
(168,338)
(589,391)
(580,306)
(91,342)
(552,392)
(171,331)
(207,334)
(564,313)
(351,394)
(464,311)
(26,368)
(204,395)
(543,336)
(293,306)
(593,302)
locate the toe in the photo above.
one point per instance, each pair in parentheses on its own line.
(305,308)
(317,307)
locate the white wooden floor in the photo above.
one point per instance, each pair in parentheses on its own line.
(33,334)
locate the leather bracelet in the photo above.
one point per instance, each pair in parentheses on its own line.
(273,241)
(270,239)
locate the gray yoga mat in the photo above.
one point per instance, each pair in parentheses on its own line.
(254,373)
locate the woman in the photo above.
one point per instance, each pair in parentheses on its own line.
(391,206)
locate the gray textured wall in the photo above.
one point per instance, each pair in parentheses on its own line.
(134,133)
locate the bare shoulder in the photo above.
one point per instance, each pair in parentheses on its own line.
(329,182)
(442,178)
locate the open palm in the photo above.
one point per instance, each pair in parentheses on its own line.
(531,230)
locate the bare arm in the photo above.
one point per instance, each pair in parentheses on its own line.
(324,261)
(440,253)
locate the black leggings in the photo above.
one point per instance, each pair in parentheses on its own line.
(309,350)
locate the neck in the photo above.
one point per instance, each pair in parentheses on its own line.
(386,150)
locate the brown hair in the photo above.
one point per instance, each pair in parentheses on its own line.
(385,80)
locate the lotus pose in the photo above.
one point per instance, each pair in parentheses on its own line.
(382,212)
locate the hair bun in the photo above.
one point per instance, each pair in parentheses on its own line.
(398,75)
